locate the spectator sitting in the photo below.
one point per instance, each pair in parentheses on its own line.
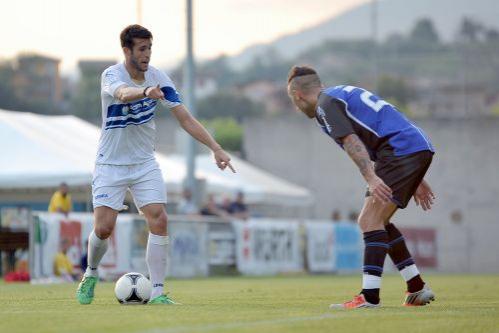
(238,208)
(210,208)
(187,206)
(62,265)
(225,206)
(61,200)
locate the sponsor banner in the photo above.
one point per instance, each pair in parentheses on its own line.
(422,243)
(50,229)
(321,256)
(70,231)
(349,247)
(265,246)
(188,249)
(45,247)
(333,247)
(139,237)
(222,247)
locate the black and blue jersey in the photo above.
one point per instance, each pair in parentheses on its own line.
(344,110)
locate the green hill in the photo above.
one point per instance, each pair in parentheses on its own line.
(394,16)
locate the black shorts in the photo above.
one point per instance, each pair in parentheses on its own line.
(403,174)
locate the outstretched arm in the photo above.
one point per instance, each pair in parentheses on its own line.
(128,94)
(113,85)
(197,131)
(358,153)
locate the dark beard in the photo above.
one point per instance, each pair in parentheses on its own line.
(136,65)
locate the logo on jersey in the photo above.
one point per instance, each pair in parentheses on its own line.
(134,108)
(322,115)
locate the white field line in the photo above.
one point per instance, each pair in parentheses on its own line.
(239,324)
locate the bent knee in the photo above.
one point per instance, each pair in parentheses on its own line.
(103,231)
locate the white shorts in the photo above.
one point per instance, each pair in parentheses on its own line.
(145,182)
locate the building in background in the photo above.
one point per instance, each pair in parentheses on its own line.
(85,98)
(40,76)
(271,94)
(92,69)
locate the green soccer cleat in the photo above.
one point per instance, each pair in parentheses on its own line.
(85,291)
(163,299)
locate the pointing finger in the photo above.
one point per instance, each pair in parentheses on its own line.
(231,167)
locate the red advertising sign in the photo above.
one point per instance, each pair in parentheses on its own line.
(422,243)
(70,231)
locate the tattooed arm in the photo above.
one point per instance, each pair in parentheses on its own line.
(332,114)
(358,153)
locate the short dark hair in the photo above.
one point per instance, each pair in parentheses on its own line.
(131,32)
(296,71)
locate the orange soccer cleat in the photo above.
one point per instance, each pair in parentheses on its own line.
(358,301)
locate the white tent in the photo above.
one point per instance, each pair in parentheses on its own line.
(40,151)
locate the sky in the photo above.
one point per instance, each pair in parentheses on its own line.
(71,30)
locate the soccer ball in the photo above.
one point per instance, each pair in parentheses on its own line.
(133,288)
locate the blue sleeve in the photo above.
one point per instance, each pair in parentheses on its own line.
(172,97)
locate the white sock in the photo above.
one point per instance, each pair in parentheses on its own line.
(96,249)
(371,281)
(409,272)
(156,262)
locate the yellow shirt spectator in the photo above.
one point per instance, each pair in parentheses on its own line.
(62,265)
(60,202)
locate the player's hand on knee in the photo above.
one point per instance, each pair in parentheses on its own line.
(379,190)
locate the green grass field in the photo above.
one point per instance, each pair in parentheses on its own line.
(465,303)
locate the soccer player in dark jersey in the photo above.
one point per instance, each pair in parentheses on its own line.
(392,155)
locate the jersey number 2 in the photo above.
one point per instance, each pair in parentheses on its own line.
(365,97)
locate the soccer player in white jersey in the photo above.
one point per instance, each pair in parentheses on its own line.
(130,92)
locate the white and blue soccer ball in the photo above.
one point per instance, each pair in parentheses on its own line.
(133,288)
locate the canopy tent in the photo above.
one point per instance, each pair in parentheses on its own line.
(258,186)
(42,151)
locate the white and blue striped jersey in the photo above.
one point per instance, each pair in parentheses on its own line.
(128,129)
(344,110)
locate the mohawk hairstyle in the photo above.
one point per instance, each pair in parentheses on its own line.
(303,78)
(297,71)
